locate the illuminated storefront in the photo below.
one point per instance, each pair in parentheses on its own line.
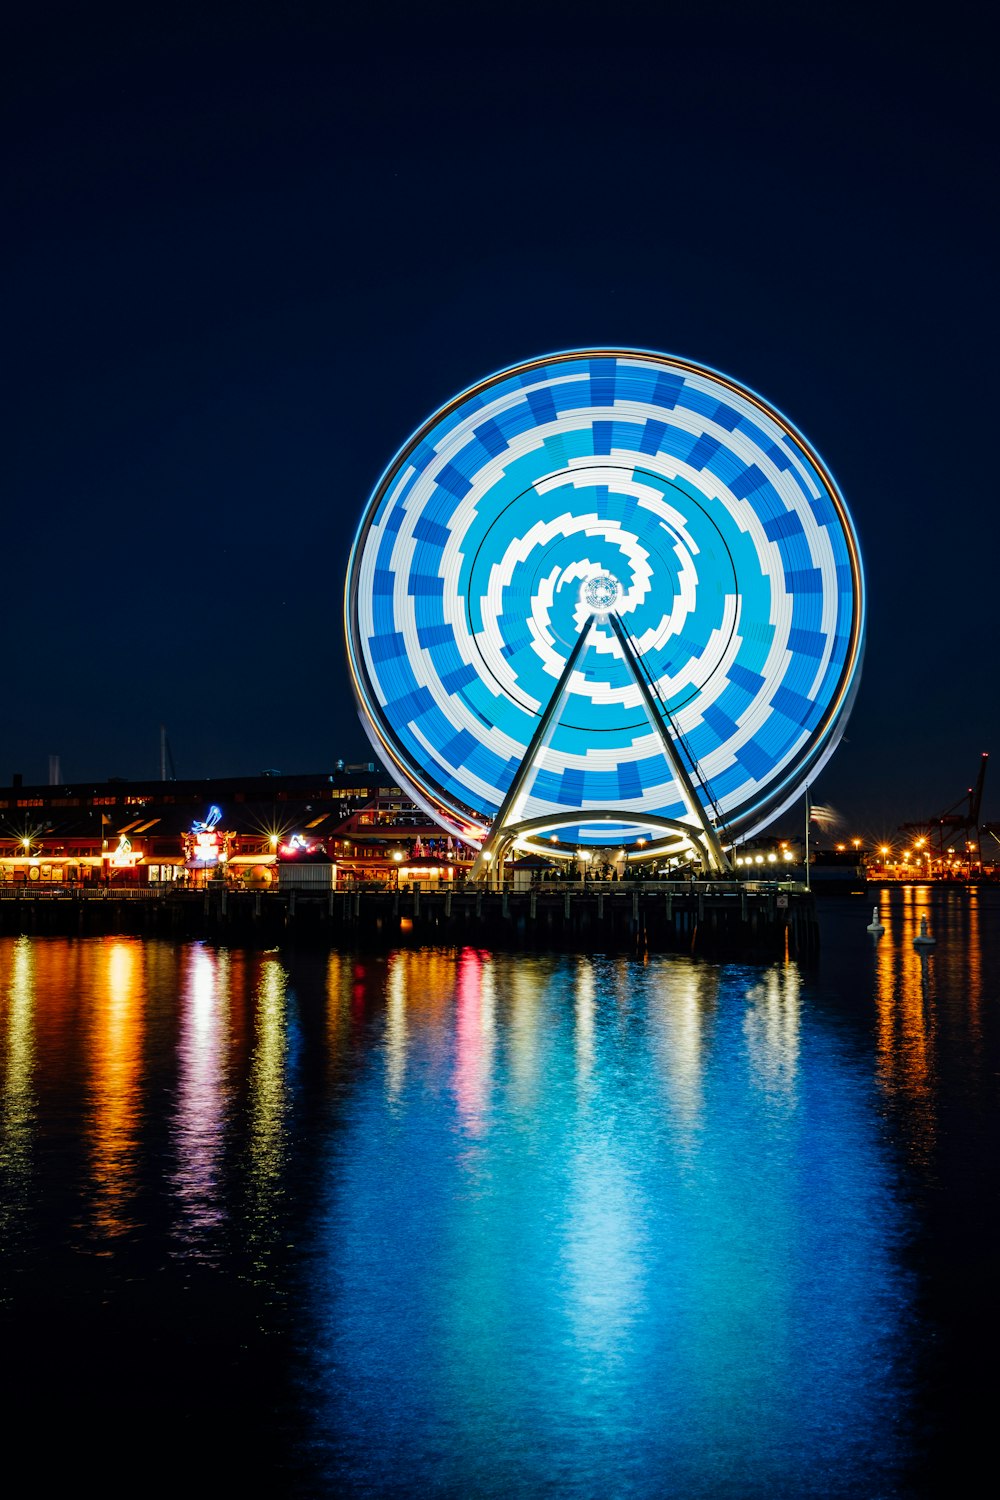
(207,847)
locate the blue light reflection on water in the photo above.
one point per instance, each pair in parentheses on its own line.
(592,1227)
(458,1223)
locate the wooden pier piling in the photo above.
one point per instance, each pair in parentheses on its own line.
(712,919)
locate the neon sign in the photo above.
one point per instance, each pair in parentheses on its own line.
(297,844)
(124,856)
(205,850)
(205,845)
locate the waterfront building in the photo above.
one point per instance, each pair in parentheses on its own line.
(123,833)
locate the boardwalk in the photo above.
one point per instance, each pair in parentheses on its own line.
(711,918)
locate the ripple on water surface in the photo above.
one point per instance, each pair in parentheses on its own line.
(590,1227)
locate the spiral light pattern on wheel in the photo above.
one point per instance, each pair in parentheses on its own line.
(554,495)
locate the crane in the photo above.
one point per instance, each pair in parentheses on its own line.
(960,819)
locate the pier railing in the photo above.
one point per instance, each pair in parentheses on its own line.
(765,918)
(33,892)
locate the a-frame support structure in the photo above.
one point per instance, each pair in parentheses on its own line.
(506,827)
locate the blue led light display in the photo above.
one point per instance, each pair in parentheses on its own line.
(563,492)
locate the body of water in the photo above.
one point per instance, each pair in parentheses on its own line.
(454,1223)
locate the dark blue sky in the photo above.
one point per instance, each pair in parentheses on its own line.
(247,252)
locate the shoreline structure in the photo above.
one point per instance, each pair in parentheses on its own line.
(710,918)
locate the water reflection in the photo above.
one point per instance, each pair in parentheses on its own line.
(269,1093)
(586,1001)
(395,1030)
(523,1001)
(684,1006)
(114,1123)
(905,1023)
(339,982)
(772,1030)
(20,1104)
(601,1239)
(972,968)
(201,1111)
(540,1223)
(474,1040)
(655,1208)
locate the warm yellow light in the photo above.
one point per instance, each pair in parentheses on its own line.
(789,856)
(26,843)
(884,850)
(759,859)
(772,859)
(397,854)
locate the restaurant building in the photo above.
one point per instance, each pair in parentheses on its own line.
(160,833)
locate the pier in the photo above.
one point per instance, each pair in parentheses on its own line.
(709,918)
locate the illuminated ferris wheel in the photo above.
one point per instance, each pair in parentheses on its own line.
(605,598)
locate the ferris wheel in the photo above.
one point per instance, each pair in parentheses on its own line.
(605,598)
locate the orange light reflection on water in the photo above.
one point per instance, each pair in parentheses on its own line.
(972,959)
(17,1123)
(115,1092)
(905,1023)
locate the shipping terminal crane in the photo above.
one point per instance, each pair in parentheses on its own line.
(960,821)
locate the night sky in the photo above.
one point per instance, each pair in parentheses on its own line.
(247,251)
